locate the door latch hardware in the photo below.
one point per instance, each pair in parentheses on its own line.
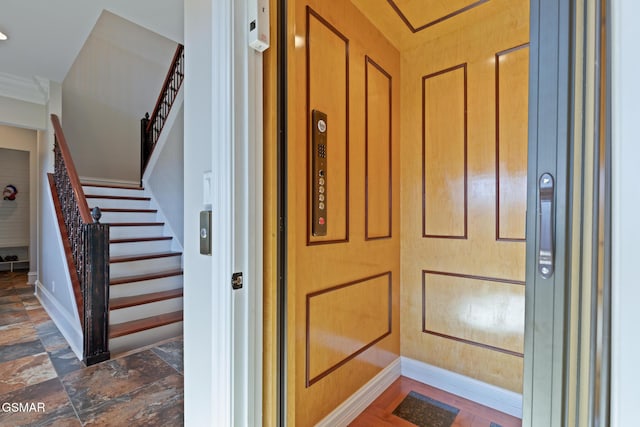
(205,232)
(236,281)
(545,254)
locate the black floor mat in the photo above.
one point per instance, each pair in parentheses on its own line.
(425,412)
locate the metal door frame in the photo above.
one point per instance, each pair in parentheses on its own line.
(561,121)
(549,140)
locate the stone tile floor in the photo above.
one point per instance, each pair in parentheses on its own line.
(40,372)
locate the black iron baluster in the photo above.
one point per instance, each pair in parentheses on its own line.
(152,127)
(90,251)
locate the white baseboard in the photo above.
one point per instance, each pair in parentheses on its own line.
(65,322)
(32,277)
(486,394)
(104,181)
(358,402)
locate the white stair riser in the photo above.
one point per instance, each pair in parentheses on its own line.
(146,286)
(136,231)
(106,191)
(117,203)
(146,266)
(143,338)
(145,310)
(135,248)
(128,217)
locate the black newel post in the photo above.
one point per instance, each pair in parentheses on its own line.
(145,143)
(96,292)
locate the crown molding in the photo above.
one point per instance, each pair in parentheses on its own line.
(34,90)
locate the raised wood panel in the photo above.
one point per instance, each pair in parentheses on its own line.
(420,15)
(328,91)
(482,311)
(378,151)
(345,320)
(444,126)
(512,73)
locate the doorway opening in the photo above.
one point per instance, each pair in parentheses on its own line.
(18,204)
(404,198)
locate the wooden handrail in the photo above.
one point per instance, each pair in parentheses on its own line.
(78,192)
(86,245)
(165,85)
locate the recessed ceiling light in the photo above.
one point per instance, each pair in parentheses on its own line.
(3,36)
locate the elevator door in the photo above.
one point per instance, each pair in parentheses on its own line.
(343,205)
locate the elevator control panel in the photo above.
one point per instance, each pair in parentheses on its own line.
(318,153)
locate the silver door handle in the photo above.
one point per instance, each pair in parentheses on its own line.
(546,226)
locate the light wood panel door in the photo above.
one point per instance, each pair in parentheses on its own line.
(464,170)
(343,285)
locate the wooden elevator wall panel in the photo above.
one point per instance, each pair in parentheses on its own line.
(512,72)
(334,340)
(378,151)
(338,301)
(490,315)
(328,91)
(444,151)
(475,282)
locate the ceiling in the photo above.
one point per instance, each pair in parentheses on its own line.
(406,22)
(45,36)
(417,16)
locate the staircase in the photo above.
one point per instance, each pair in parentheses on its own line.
(145,269)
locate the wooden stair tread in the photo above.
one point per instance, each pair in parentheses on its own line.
(128,210)
(144,277)
(133,326)
(105,196)
(124,187)
(140,239)
(131,301)
(140,257)
(134,224)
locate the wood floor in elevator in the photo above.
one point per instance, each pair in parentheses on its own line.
(470,414)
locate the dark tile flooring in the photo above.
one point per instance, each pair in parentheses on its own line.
(40,372)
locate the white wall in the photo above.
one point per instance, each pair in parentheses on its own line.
(166,180)
(626,205)
(113,82)
(54,284)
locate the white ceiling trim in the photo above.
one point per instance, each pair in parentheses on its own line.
(34,90)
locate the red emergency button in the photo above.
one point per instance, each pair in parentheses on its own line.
(321,221)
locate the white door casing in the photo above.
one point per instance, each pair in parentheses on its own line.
(222,109)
